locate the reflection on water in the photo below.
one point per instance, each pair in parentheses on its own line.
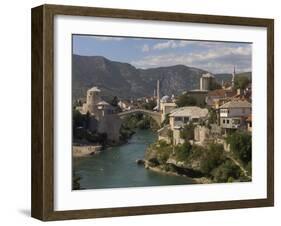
(116,167)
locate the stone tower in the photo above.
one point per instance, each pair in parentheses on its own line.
(206,81)
(93,98)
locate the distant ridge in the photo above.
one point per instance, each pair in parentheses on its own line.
(124,80)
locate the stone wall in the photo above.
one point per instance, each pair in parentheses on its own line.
(201,133)
(110,124)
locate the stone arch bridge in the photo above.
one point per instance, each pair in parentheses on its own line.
(153,114)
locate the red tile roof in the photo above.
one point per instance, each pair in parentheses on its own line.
(221,93)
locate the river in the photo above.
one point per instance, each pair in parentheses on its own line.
(116,167)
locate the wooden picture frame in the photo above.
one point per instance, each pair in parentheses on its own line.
(43,112)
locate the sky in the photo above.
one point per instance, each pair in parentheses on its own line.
(215,57)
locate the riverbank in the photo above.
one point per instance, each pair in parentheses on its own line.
(161,169)
(85,150)
(209,164)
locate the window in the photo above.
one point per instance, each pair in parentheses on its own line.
(227,121)
(178,119)
(224,111)
(223,121)
(186,119)
(195,120)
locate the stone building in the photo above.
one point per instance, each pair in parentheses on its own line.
(185,115)
(166,106)
(206,81)
(199,96)
(233,114)
(102,116)
(180,117)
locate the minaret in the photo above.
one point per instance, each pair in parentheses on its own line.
(233,77)
(158,95)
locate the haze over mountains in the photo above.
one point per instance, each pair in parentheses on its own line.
(126,81)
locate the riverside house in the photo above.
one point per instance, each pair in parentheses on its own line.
(180,117)
(233,114)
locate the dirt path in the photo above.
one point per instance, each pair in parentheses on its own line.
(239,165)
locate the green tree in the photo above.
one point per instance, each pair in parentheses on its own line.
(87,120)
(77,119)
(114,101)
(150,105)
(226,172)
(185,100)
(144,122)
(182,151)
(170,135)
(187,132)
(212,116)
(241,82)
(166,120)
(164,150)
(241,145)
(212,158)
(214,85)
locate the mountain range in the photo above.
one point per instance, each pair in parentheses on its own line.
(125,81)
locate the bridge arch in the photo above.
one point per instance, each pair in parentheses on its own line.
(153,114)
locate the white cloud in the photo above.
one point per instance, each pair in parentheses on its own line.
(170,44)
(183,43)
(216,60)
(104,38)
(145,48)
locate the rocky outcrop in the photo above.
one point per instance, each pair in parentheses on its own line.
(190,169)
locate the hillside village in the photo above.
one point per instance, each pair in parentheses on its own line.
(203,133)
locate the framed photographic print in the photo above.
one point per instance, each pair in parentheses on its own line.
(141,112)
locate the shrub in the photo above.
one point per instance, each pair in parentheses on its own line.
(241,145)
(182,151)
(187,133)
(226,172)
(212,158)
(164,150)
(197,151)
(163,155)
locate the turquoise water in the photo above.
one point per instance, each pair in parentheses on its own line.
(116,167)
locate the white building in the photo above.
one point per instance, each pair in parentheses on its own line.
(183,116)
(166,106)
(234,113)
